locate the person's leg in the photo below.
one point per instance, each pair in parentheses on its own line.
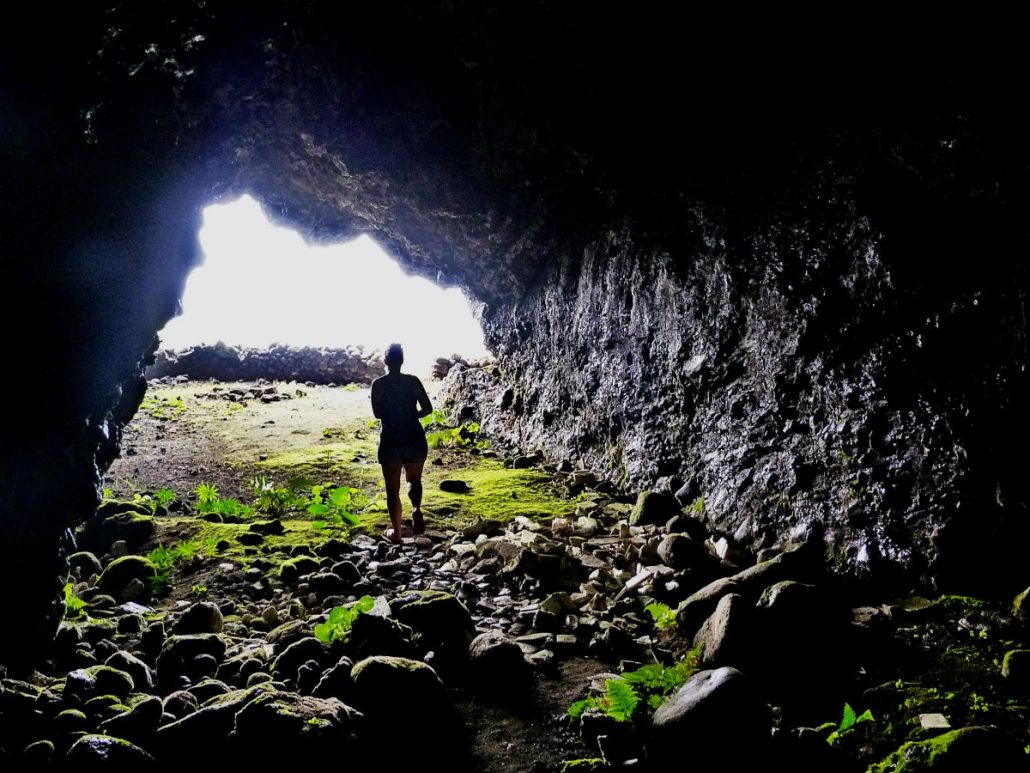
(392,477)
(413,474)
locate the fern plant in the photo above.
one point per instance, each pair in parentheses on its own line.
(73,604)
(848,722)
(648,685)
(164,496)
(664,616)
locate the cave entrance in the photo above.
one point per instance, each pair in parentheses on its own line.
(261,284)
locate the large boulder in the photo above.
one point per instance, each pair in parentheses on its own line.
(301,726)
(653,507)
(716,718)
(120,572)
(387,687)
(104,752)
(439,618)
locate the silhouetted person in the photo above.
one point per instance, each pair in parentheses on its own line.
(399,400)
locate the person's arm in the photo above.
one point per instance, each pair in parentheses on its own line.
(425,407)
(375,395)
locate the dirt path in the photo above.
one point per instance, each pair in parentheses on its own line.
(222,435)
(191,432)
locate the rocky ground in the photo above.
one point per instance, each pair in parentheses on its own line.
(269,617)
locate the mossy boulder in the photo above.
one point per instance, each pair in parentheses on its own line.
(94,751)
(1021,606)
(112,681)
(439,618)
(386,687)
(202,617)
(113,507)
(69,721)
(653,507)
(301,725)
(135,525)
(39,754)
(142,676)
(960,751)
(293,657)
(208,726)
(498,663)
(273,526)
(139,723)
(293,568)
(85,564)
(190,645)
(124,570)
(679,551)
(78,685)
(1016,667)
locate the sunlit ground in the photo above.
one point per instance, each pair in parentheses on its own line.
(260,284)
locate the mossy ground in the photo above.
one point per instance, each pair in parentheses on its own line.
(184,436)
(944,659)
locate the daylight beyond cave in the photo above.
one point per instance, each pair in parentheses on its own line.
(261,284)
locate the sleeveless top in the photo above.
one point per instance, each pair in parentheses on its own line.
(397,397)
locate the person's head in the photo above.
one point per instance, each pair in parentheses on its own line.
(394,356)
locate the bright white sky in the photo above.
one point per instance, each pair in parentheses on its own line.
(260,284)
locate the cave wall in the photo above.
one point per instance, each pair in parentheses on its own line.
(799,288)
(804,397)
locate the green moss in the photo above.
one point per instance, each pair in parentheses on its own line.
(352,462)
(583,765)
(497,492)
(954,750)
(954,604)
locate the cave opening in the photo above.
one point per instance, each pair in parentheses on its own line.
(261,285)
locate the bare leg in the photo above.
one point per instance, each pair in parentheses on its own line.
(392,477)
(413,474)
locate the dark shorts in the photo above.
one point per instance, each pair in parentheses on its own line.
(415,450)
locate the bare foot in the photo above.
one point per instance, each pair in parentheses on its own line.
(394,537)
(418,524)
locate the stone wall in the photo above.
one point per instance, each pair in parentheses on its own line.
(276,363)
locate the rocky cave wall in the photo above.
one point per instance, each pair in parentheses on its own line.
(798,289)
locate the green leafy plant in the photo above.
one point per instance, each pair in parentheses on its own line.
(977,703)
(208,501)
(233,507)
(107,494)
(465,436)
(437,417)
(337,627)
(648,685)
(73,604)
(164,559)
(207,497)
(664,615)
(333,505)
(164,496)
(697,507)
(200,591)
(272,499)
(848,722)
